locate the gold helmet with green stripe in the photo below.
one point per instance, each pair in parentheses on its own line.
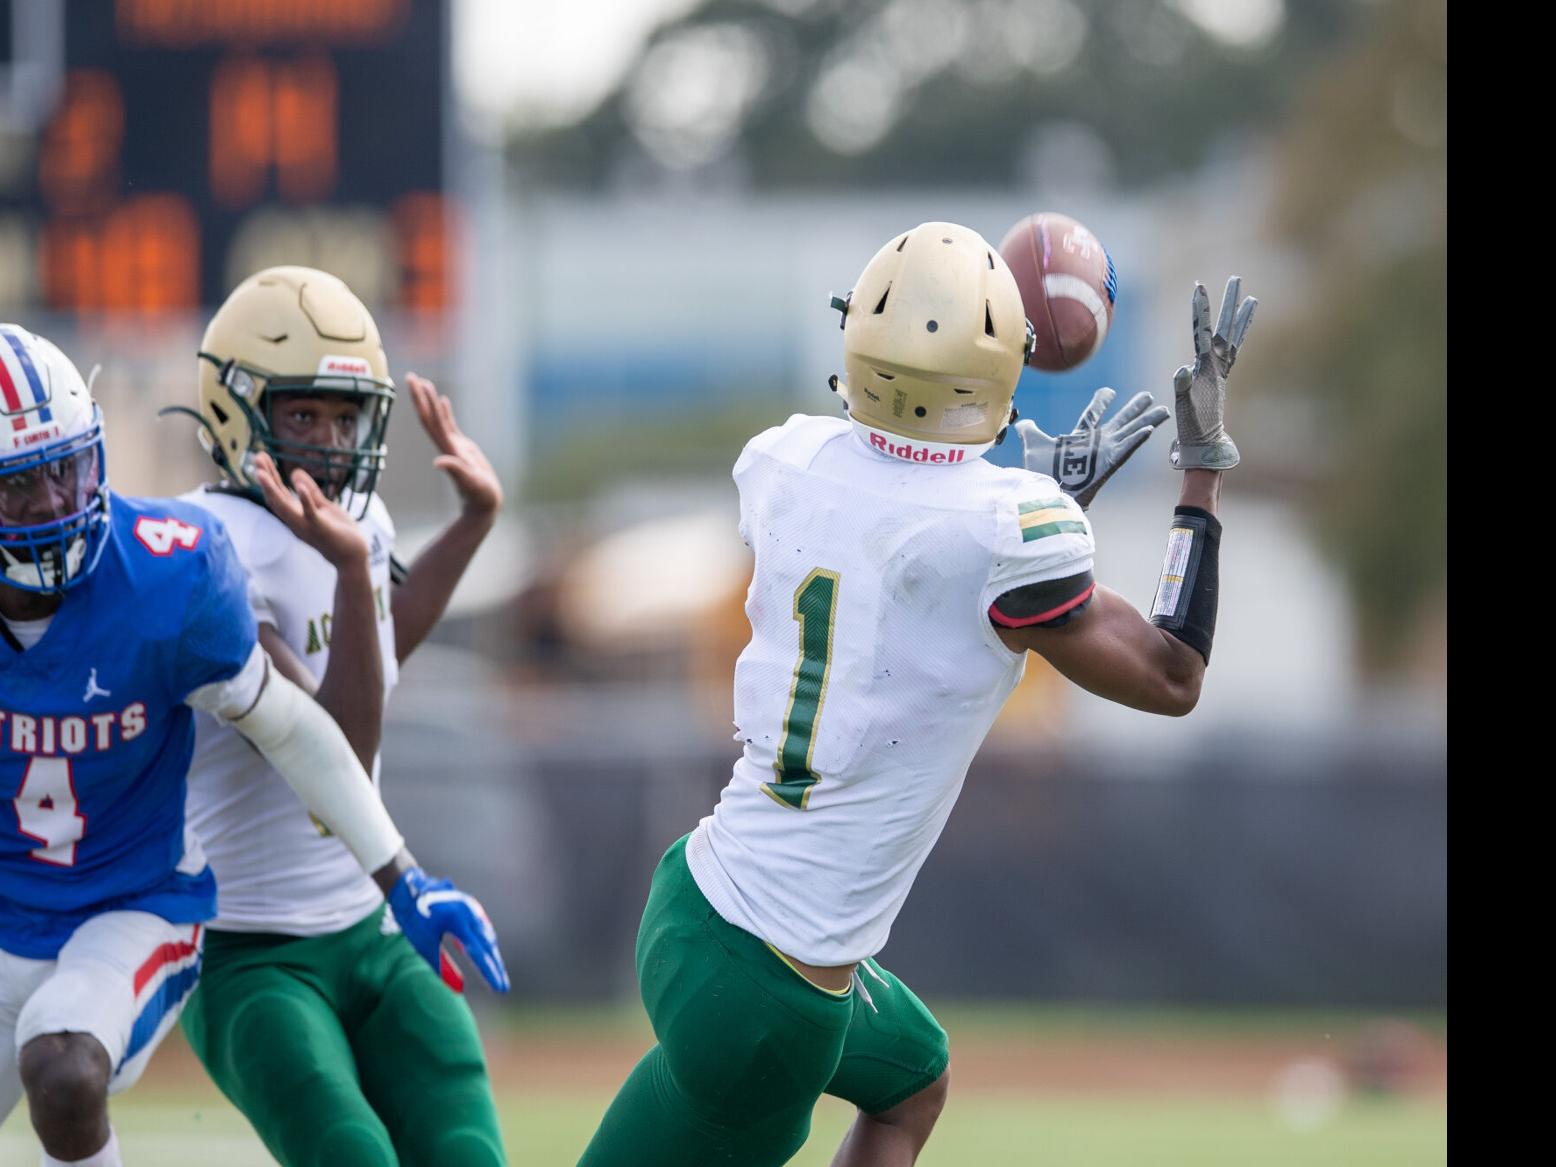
(285,333)
(934,338)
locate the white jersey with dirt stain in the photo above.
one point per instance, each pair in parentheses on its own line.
(277,869)
(873,673)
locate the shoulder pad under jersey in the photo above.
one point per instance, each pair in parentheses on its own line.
(1039,533)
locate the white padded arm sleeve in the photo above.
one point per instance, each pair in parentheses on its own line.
(226,699)
(308,749)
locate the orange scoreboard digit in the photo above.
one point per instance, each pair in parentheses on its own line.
(192,141)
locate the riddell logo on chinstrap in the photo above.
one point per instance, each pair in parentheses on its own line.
(911,453)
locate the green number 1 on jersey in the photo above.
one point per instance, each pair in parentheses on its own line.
(815,608)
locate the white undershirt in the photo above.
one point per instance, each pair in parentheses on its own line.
(28,632)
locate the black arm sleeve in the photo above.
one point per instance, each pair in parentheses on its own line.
(1049,604)
(1190,586)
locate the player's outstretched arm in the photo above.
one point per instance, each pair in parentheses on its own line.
(1113,651)
(305,746)
(352,688)
(419,601)
(1108,648)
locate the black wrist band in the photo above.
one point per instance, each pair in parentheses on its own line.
(1186,594)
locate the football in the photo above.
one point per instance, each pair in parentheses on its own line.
(1067,284)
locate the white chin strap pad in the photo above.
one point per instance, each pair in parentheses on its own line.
(44,571)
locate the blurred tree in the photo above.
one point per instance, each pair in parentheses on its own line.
(804,93)
(1361,186)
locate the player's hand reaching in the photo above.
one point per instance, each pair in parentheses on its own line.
(430,910)
(323,525)
(1086,457)
(480,492)
(1200,388)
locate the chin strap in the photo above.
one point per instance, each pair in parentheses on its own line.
(999,438)
(213,444)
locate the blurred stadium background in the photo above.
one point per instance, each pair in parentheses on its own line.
(609,229)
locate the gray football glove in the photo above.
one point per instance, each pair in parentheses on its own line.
(1202,442)
(1086,457)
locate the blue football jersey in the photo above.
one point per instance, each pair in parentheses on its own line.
(95,738)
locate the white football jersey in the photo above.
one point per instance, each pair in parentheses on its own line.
(872,675)
(276,869)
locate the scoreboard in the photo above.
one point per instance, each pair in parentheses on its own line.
(182,144)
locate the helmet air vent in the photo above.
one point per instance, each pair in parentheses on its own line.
(881,307)
(988,319)
(991,260)
(904,242)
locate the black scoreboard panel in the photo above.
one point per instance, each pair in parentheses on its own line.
(196,140)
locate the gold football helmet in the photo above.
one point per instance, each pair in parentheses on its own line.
(298,332)
(934,337)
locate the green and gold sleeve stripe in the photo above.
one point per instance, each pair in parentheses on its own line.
(1052,517)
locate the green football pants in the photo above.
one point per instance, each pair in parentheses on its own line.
(746,1045)
(344,1050)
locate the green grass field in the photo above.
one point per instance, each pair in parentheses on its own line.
(1032,1087)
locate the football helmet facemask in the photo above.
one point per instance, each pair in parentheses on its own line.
(934,338)
(284,333)
(53,484)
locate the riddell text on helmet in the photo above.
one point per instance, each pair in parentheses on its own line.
(912,453)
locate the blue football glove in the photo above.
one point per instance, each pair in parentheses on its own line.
(427,910)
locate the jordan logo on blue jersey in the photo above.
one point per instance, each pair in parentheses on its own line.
(92,689)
